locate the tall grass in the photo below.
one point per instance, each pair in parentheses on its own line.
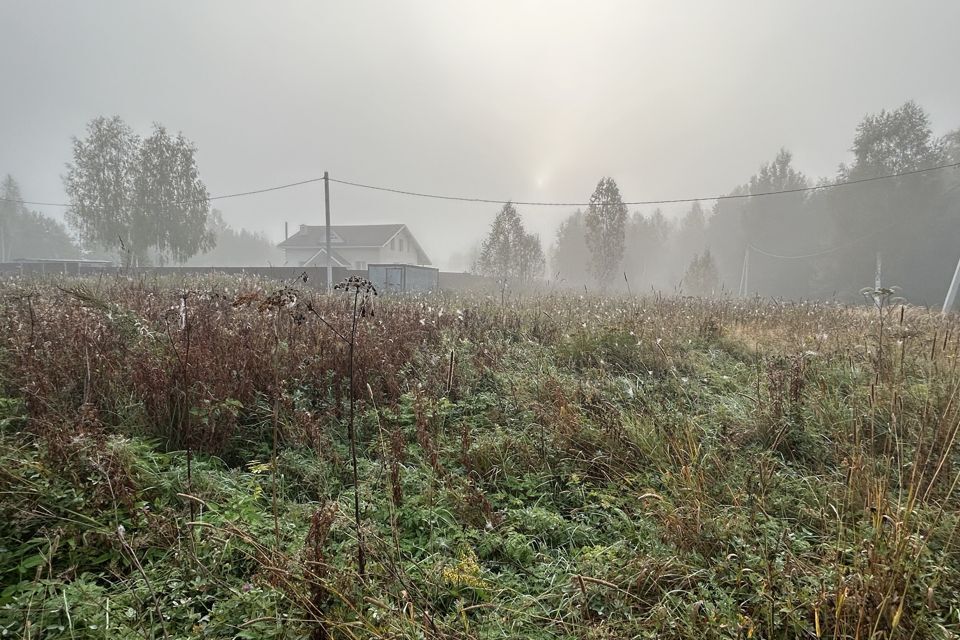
(565,466)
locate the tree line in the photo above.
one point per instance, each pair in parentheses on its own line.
(821,243)
(134,200)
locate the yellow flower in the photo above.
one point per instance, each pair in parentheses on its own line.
(465,573)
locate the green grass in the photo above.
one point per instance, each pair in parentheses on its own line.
(591,469)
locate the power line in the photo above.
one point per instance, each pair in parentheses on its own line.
(435,196)
(735,196)
(850,243)
(176,202)
(843,245)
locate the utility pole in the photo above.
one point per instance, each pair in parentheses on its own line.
(877,280)
(326,202)
(952,291)
(744,283)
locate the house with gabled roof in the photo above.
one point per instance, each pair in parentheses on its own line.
(353,246)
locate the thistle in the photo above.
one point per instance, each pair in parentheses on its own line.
(363,292)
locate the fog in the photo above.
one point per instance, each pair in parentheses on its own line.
(504,100)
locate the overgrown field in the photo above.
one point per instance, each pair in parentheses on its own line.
(176,463)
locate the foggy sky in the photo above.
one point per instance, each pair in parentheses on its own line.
(512,99)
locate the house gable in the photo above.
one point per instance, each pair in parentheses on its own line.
(356,245)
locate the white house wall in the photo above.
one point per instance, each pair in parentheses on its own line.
(358,256)
(297,256)
(407,256)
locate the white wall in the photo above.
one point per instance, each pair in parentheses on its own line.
(407,256)
(297,256)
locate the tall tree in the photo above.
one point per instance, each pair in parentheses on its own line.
(142,197)
(779,225)
(899,218)
(606,221)
(509,252)
(569,256)
(691,236)
(170,201)
(771,224)
(647,258)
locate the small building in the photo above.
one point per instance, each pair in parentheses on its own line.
(353,246)
(403,278)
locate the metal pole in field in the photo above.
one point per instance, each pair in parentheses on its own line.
(743,271)
(952,291)
(877,279)
(745,274)
(326,202)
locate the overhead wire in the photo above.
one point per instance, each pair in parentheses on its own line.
(816,254)
(849,243)
(435,196)
(732,196)
(421,194)
(239,194)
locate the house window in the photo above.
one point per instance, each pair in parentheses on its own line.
(400,243)
(361,265)
(391,244)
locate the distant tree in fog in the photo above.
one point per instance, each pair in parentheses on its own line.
(606,220)
(143,197)
(898,217)
(894,142)
(951,145)
(569,256)
(509,252)
(28,234)
(647,258)
(465,260)
(691,236)
(701,278)
(825,243)
(780,224)
(776,224)
(236,247)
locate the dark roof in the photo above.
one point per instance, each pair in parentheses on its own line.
(349,235)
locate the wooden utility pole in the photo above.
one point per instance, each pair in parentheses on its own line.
(952,291)
(326,202)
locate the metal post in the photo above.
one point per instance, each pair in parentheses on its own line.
(326,202)
(744,275)
(743,269)
(952,291)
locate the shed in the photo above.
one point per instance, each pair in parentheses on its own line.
(403,278)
